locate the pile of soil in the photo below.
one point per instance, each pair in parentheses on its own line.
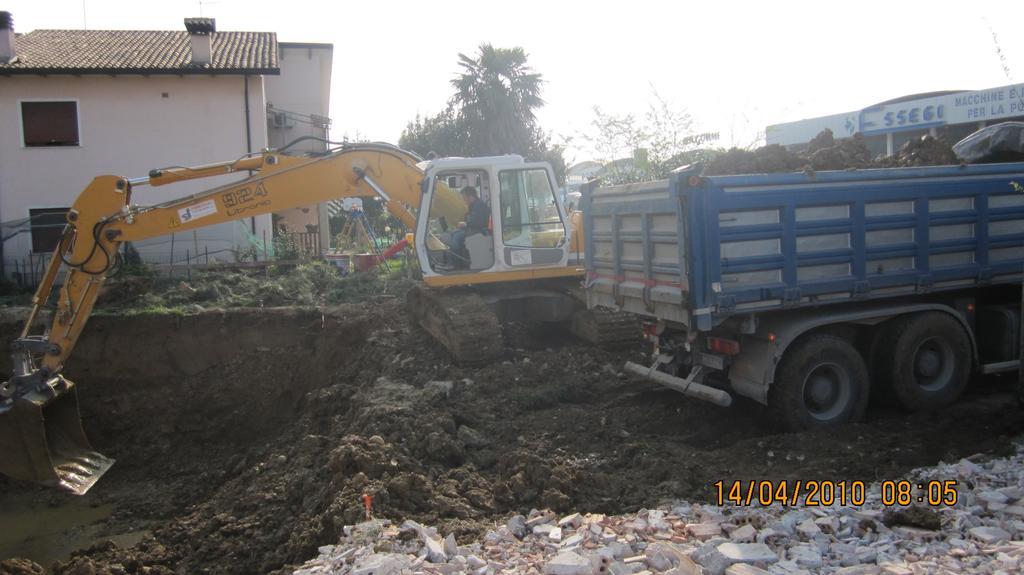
(247,438)
(925,151)
(825,153)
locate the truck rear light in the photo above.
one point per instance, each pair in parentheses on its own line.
(724,346)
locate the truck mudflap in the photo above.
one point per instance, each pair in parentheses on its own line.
(688,386)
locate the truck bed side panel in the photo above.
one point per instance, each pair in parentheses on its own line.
(782,242)
(765,242)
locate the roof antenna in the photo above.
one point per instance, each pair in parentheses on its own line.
(85,24)
(201,4)
(999,51)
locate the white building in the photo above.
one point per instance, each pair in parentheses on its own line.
(580,173)
(298,105)
(888,125)
(75,104)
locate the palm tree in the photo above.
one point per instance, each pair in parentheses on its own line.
(496,93)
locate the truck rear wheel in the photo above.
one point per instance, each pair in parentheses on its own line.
(821,381)
(925,359)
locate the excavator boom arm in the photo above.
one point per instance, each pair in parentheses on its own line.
(54,449)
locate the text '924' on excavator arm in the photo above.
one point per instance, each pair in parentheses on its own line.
(41,436)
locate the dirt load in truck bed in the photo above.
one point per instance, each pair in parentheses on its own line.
(245,439)
(825,153)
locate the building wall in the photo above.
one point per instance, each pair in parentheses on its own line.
(888,126)
(302,89)
(129,125)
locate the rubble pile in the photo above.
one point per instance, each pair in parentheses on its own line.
(982,533)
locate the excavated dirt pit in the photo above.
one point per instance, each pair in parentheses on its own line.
(245,439)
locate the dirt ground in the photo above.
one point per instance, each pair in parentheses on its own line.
(246,438)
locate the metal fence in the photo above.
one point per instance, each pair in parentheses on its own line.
(307,243)
(26,272)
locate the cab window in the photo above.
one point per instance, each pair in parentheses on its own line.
(529,210)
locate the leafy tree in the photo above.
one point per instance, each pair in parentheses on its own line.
(496,94)
(491,112)
(641,149)
(441,134)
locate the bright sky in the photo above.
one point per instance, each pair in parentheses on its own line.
(737,66)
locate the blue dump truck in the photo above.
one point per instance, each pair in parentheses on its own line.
(811,292)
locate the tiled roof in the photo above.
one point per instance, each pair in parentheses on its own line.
(139,52)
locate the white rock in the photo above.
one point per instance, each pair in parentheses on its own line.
(420,530)
(1013,492)
(620,568)
(846,553)
(620,549)
(805,556)
(435,551)
(859,570)
(968,468)
(808,528)
(543,530)
(381,564)
(568,563)
(656,520)
(827,524)
(712,561)
(451,548)
(1015,510)
(768,535)
(895,569)
(572,541)
(662,556)
(915,533)
(866,555)
(573,521)
(745,569)
(555,534)
(989,534)
(704,531)
(747,552)
(744,534)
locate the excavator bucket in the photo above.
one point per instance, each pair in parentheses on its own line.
(41,440)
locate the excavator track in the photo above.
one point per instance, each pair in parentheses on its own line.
(606,328)
(461,321)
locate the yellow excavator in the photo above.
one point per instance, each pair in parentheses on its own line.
(526,265)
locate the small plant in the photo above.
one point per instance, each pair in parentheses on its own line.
(286,248)
(245,254)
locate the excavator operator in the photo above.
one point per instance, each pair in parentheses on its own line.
(477,216)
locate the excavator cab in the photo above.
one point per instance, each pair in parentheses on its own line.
(450,248)
(528,229)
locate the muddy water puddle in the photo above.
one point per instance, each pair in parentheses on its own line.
(46,531)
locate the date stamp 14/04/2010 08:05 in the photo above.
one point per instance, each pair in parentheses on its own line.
(826,493)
